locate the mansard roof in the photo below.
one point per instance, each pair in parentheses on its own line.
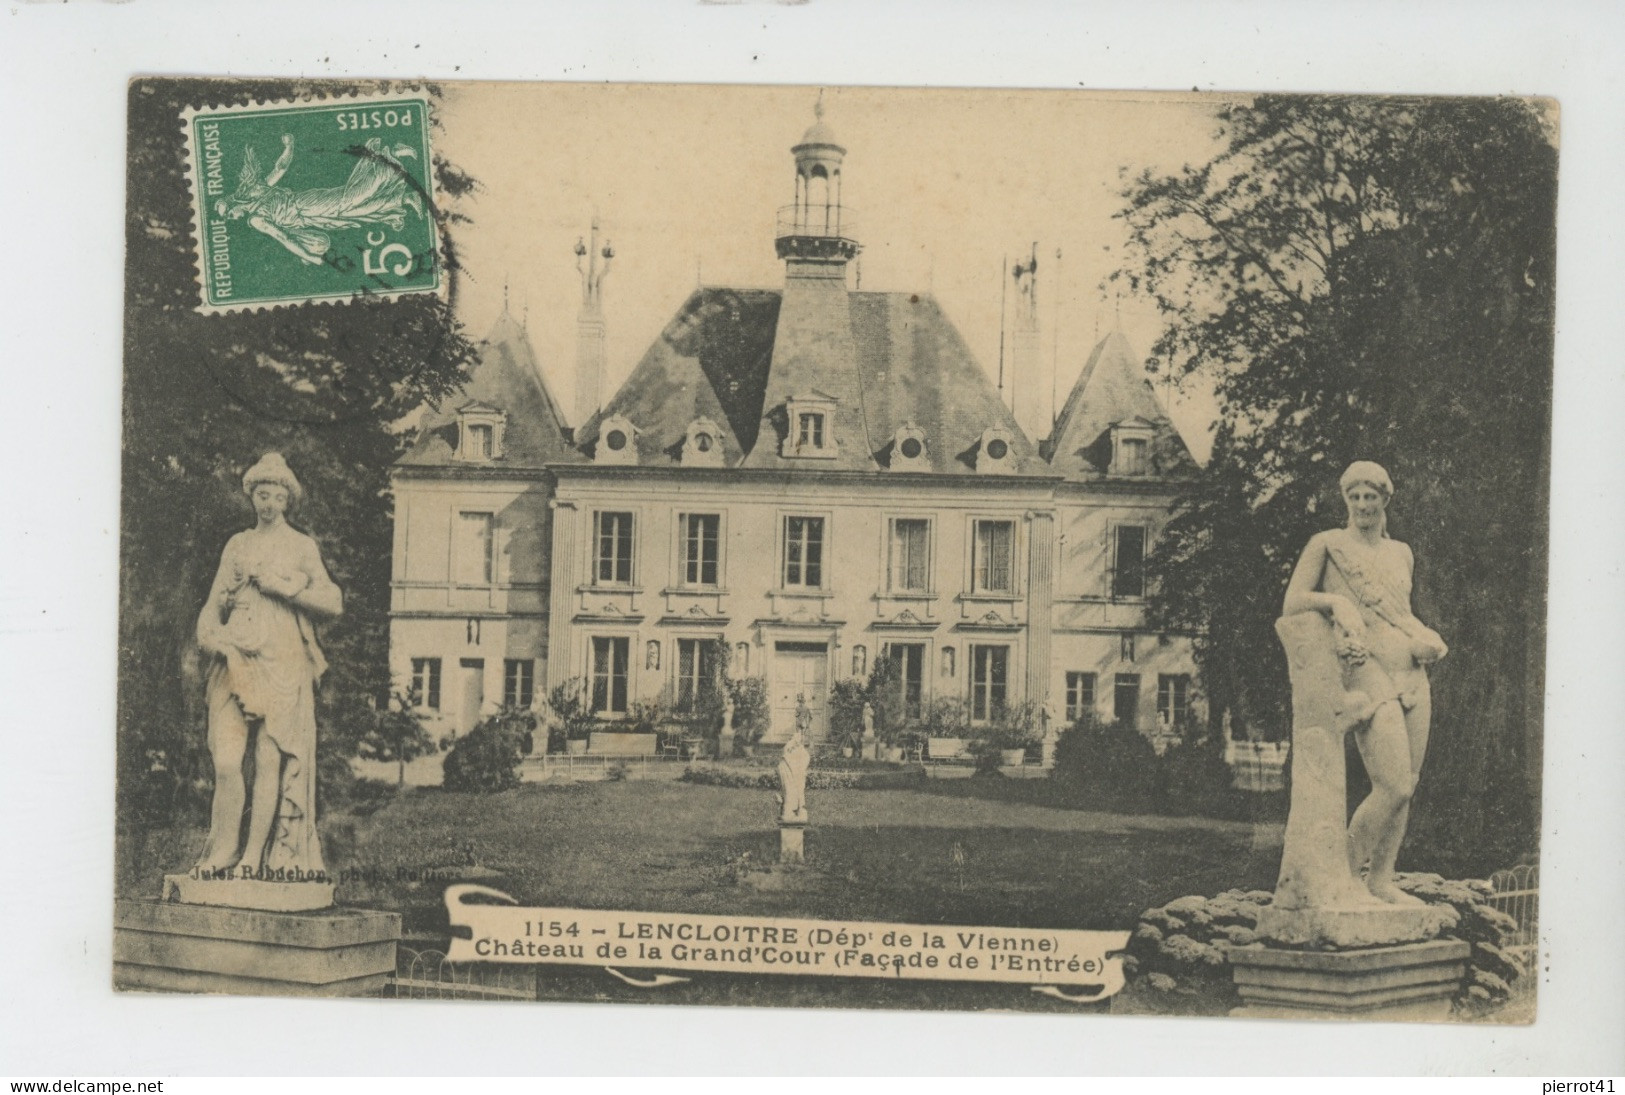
(1112,390)
(719,357)
(506,378)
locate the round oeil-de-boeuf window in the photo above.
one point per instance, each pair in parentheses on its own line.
(616,440)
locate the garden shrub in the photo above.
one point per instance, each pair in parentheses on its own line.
(1107,766)
(487,757)
(1195,780)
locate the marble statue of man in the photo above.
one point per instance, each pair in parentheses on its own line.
(1357,657)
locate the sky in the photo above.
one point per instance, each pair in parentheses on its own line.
(948,186)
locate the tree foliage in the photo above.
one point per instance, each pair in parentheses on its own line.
(1370,279)
(204,397)
(486,759)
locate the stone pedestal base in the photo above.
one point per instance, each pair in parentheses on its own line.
(1375,925)
(168,947)
(1410,983)
(792,848)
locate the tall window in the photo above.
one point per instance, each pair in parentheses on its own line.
(1133,456)
(910,661)
(696,673)
(611,662)
(472,556)
(700,548)
(1173,698)
(426,683)
(1126,700)
(481,441)
(910,554)
(810,431)
(991,556)
(1080,695)
(614,549)
(990,676)
(804,552)
(1128,561)
(518,683)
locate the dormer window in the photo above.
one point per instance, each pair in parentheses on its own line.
(617,441)
(993,453)
(908,451)
(811,430)
(702,446)
(479,431)
(1131,447)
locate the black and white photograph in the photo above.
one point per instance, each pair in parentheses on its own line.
(748,540)
(839,547)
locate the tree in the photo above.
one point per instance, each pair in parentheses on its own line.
(396,734)
(1370,278)
(204,396)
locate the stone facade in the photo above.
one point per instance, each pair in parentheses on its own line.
(817,476)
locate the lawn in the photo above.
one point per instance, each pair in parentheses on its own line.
(965,852)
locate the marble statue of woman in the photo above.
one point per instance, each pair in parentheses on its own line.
(1360,580)
(378,191)
(263,668)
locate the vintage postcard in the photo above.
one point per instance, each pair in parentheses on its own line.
(842,547)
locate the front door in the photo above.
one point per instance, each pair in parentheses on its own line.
(800,675)
(472,693)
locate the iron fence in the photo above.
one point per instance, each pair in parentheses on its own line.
(1517,893)
(429,975)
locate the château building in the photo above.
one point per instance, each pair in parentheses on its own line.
(817,476)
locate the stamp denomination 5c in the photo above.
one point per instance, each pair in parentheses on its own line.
(323,200)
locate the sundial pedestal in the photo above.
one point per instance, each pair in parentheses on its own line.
(792,842)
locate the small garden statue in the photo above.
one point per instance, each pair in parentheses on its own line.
(725,735)
(1049,730)
(793,764)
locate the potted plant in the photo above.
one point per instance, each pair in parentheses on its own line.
(1010,733)
(890,711)
(751,712)
(570,705)
(846,702)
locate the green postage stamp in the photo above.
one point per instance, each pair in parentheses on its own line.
(312,201)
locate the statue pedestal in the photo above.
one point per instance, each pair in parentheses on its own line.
(248,893)
(792,848)
(164,946)
(1414,982)
(1375,925)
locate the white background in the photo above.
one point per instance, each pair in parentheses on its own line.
(63,69)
